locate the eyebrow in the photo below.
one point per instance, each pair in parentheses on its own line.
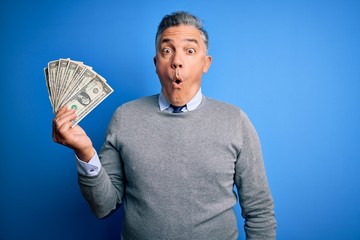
(166,40)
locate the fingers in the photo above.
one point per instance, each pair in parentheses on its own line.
(63,111)
(62,123)
(64,114)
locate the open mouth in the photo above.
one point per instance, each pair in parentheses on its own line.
(177,81)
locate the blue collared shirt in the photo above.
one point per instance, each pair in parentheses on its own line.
(164,104)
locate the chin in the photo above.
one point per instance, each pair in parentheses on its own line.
(176,99)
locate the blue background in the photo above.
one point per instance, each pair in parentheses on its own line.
(293,66)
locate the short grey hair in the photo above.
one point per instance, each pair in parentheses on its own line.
(178,18)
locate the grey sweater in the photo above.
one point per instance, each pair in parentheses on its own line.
(175,173)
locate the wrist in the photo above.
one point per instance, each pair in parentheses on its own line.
(85,154)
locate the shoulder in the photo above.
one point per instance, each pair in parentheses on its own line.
(222,107)
(139,105)
(226,112)
(134,110)
(141,102)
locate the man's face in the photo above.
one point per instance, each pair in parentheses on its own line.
(181,59)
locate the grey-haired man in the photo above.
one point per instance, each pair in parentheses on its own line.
(173,158)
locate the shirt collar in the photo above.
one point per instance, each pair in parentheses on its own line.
(191,105)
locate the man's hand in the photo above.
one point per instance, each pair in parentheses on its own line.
(72,137)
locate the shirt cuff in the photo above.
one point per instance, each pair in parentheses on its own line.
(91,168)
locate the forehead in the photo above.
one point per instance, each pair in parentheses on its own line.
(180,33)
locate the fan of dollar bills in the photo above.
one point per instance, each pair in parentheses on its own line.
(76,85)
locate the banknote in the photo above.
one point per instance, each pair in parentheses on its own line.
(91,95)
(52,71)
(76,85)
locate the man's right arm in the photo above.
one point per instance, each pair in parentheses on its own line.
(102,190)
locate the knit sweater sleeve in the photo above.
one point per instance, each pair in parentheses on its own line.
(104,191)
(250,178)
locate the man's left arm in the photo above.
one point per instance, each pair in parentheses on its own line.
(254,193)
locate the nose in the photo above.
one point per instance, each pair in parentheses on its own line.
(177,61)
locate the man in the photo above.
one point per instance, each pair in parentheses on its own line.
(173,158)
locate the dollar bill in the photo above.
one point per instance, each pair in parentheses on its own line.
(76,85)
(69,74)
(52,69)
(63,64)
(85,77)
(91,95)
(46,73)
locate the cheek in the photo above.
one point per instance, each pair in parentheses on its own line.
(161,72)
(163,75)
(161,66)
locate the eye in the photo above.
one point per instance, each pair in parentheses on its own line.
(166,51)
(191,51)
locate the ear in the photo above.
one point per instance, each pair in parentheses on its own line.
(155,60)
(207,63)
